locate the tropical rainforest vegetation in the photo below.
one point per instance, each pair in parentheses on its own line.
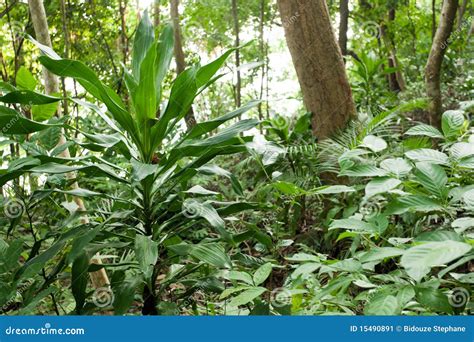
(236,157)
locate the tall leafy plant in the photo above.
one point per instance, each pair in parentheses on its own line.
(161,208)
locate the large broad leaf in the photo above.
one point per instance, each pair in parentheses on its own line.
(211,253)
(13,122)
(332,189)
(25,80)
(428,155)
(353,224)
(433,178)
(419,260)
(363,170)
(374,143)
(164,53)
(144,39)
(382,304)
(396,166)
(425,130)
(381,185)
(144,98)
(262,273)
(28,97)
(452,122)
(433,299)
(413,203)
(207,126)
(380,253)
(247,296)
(146,251)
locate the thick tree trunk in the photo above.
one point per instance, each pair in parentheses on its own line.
(179,54)
(40,24)
(435,60)
(343,25)
(238,85)
(319,64)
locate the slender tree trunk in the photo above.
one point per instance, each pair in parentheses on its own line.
(66,51)
(179,54)
(395,79)
(435,60)
(157,12)
(319,65)
(123,30)
(461,11)
(238,85)
(40,25)
(343,25)
(433,19)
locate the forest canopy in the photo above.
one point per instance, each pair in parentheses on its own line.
(236,157)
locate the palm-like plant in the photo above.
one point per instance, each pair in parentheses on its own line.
(161,162)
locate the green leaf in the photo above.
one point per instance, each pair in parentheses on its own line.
(241,276)
(44,112)
(426,130)
(439,235)
(25,80)
(382,304)
(124,296)
(463,223)
(146,251)
(381,185)
(27,97)
(380,253)
(13,122)
(304,269)
(144,98)
(374,143)
(363,170)
(193,209)
(211,253)
(247,296)
(141,171)
(452,122)
(433,178)
(79,279)
(419,260)
(433,299)
(333,189)
(428,155)
(353,224)
(396,166)
(262,273)
(144,38)
(164,53)
(413,203)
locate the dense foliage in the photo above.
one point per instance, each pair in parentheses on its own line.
(244,212)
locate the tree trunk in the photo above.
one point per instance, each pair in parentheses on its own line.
(343,25)
(238,85)
(263,57)
(319,65)
(40,24)
(435,60)
(179,54)
(433,19)
(395,79)
(461,11)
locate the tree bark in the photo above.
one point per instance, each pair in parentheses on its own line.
(238,85)
(319,65)
(395,79)
(179,54)
(343,25)
(435,61)
(40,24)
